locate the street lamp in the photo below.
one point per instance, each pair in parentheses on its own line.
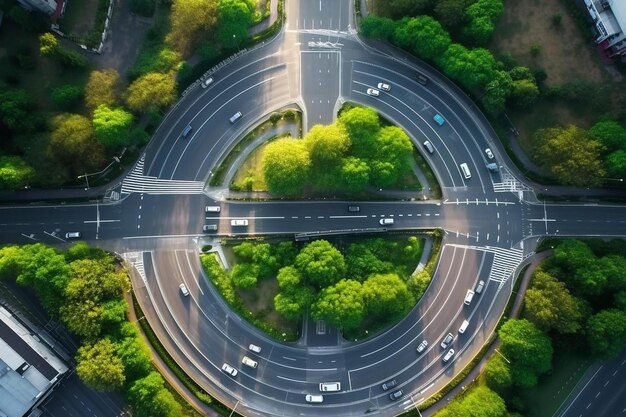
(498,352)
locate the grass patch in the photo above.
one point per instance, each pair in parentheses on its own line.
(545,398)
(423,165)
(250,177)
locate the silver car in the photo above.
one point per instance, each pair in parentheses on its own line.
(447,340)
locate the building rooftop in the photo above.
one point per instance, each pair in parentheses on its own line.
(28,368)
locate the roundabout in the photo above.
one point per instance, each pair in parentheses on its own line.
(491,223)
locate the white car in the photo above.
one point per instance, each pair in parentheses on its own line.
(489,153)
(249,362)
(448,355)
(422,346)
(373,92)
(183,290)
(254,348)
(386,221)
(384,87)
(207,82)
(229,370)
(330,386)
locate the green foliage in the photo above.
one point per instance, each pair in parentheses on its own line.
(99,367)
(524,93)
(191,21)
(480,401)
(341,305)
(528,349)
(320,263)
(286,166)
(498,375)
(219,277)
(49,46)
(327,146)
(377,27)
(133,352)
(355,174)
(451,13)
(387,297)
(67,96)
(142,7)
(151,91)
(112,126)
(73,143)
(400,8)
(244,275)
(472,68)
(482,15)
(149,398)
(15,109)
(550,306)
(30,21)
(293,302)
(496,92)
(102,89)
(418,283)
(39,267)
(235,17)
(362,124)
(535,49)
(606,333)
(610,134)
(423,36)
(615,164)
(15,173)
(155,55)
(393,160)
(570,154)
(93,285)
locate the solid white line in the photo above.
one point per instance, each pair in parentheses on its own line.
(347,217)
(101,221)
(289,379)
(581,391)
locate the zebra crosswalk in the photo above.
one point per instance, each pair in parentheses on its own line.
(136,182)
(509,183)
(505,261)
(136,260)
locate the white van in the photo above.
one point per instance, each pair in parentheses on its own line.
(212,209)
(465,171)
(239,222)
(249,362)
(235,117)
(330,386)
(314,398)
(385,221)
(468,297)
(463,326)
(72,235)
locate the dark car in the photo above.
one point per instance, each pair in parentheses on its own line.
(389,384)
(354,209)
(395,395)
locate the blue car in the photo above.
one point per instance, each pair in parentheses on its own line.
(439,119)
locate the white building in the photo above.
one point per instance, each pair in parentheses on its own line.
(28,368)
(45,6)
(609,17)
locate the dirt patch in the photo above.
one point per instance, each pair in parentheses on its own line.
(564,53)
(251,172)
(260,302)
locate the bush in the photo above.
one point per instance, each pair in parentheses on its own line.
(67,96)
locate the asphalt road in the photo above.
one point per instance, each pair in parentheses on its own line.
(491,222)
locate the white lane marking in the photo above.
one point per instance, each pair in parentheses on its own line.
(101,221)
(348,217)
(290,379)
(289,359)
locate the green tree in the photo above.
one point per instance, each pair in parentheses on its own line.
(528,349)
(610,134)
(286,166)
(524,93)
(387,296)
(477,402)
(245,275)
(432,39)
(39,267)
(16,106)
(400,8)
(320,263)
(451,13)
(616,164)
(472,68)
(393,159)
(482,14)
(362,125)
(327,146)
(48,44)
(73,142)
(418,283)
(149,398)
(133,352)
(294,302)
(191,21)
(550,306)
(355,174)
(288,278)
(112,125)
(99,367)
(341,305)
(496,92)
(151,91)
(377,27)
(235,17)
(498,375)
(15,173)
(67,96)
(570,154)
(102,88)
(606,333)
